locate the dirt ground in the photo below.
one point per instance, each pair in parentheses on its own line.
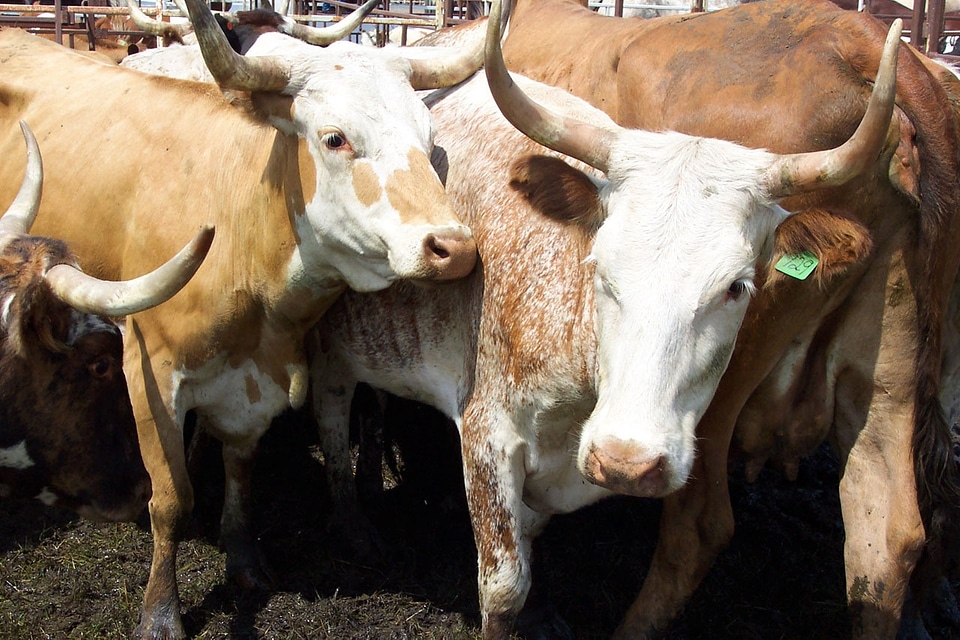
(782,577)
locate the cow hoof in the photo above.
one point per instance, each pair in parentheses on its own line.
(543,623)
(252,577)
(161,625)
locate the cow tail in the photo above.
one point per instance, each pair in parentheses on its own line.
(934,269)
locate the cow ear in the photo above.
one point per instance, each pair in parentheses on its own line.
(40,320)
(837,241)
(275,108)
(557,190)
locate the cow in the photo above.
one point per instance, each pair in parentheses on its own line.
(316,171)
(577,361)
(182,32)
(182,58)
(814,349)
(67,434)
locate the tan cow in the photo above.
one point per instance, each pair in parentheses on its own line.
(854,350)
(317,179)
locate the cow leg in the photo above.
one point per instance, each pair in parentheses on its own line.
(882,525)
(333,392)
(493,471)
(245,564)
(370,421)
(696,525)
(161,444)
(539,619)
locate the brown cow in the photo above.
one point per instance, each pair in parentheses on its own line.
(854,350)
(67,433)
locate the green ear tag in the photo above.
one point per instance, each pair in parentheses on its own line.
(798,266)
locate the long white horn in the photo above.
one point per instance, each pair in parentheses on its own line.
(802,172)
(155,27)
(580,140)
(229,68)
(323,36)
(22,212)
(101,297)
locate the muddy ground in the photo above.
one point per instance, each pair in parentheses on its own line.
(782,577)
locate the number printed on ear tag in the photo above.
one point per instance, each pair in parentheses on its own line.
(798,266)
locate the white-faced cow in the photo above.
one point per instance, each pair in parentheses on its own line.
(67,434)
(853,350)
(320,181)
(579,359)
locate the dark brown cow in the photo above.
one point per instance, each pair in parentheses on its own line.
(856,349)
(67,433)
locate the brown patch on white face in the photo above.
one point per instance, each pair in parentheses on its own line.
(408,191)
(308,173)
(365,184)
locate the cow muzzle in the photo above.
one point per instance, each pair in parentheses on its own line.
(626,468)
(125,505)
(449,255)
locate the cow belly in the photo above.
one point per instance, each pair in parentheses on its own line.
(238,402)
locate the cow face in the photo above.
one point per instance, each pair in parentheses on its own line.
(673,273)
(67,433)
(377,211)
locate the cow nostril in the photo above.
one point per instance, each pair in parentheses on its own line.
(433,245)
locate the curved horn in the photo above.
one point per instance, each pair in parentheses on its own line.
(322,36)
(802,172)
(231,70)
(23,210)
(101,297)
(577,139)
(453,65)
(155,27)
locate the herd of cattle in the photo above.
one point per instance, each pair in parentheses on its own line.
(651,245)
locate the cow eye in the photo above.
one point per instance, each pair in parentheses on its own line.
(738,288)
(336,141)
(101,367)
(610,289)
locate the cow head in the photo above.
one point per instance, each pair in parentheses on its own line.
(376,210)
(681,225)
(67,432)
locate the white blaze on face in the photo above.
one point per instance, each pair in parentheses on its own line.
(674,269)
